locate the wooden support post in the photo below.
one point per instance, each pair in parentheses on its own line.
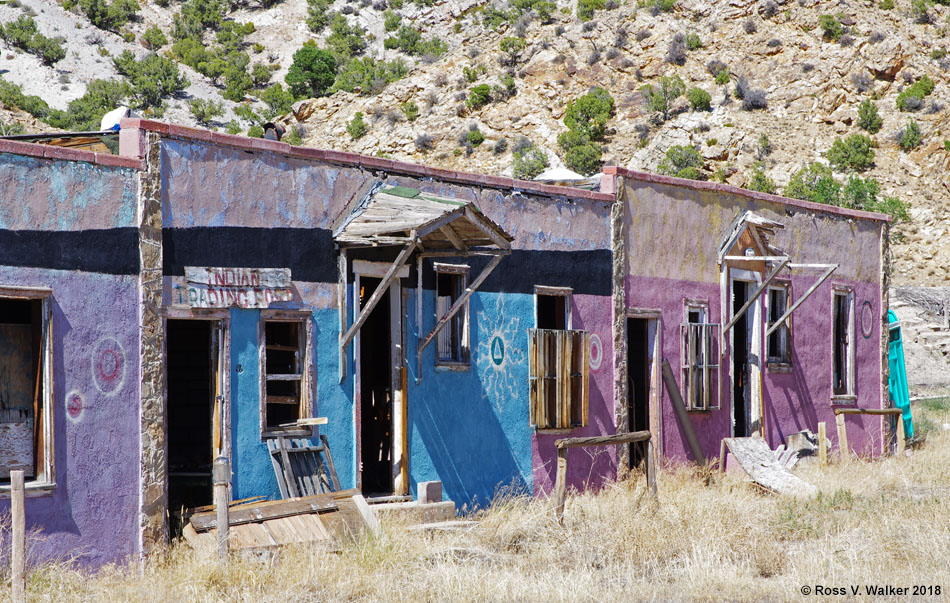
(18,554)
(842,438)
(722,455)
(651,466)
(822,444)
(681,415)
(900,434)
(221,476)
(560,487)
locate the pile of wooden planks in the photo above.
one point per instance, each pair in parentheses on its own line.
(322,520)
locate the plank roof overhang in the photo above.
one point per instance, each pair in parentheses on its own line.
(418,222)
(399,215)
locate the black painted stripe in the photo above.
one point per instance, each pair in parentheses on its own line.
(312,257)
(110,251)
(308,252)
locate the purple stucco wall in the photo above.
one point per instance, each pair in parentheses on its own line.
(91,513)
(673,235)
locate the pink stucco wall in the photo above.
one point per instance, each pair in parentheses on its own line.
(587,467)
(673,235)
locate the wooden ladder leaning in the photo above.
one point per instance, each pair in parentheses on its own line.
(302,467)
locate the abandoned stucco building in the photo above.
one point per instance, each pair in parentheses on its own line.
(199,292)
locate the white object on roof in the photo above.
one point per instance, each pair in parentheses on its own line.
(559,174)
(110,121)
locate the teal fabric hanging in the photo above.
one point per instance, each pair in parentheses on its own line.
(897,381)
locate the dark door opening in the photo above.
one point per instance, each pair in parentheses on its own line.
(376,401)
(740,359)
(638,384)
(190,374)
(552,312)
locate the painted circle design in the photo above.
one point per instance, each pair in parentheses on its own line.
(108,365)
(596,352)
(867,319)
(497,351)
(75,405)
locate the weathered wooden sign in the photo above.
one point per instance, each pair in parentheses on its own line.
(237,287)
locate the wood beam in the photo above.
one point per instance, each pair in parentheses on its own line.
(377,295)
(801,300)
(754,296)
(458,305)
(479,223)
(453,237)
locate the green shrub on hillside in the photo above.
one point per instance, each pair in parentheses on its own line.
(205,110)
(851,153)
(814,182)
(318,15)
(356,127)
(312,72)
(23,34)
(153,38)
(589,113)
(682,162)
(527,161)
(913,96)
(761,182)
(368,75)
(346,39)
(278,100)
(830,27)
(586,8)
(868,117)
(699,99)
(479,96)
(910,137)
(109,16)
(152,79)
(660,99)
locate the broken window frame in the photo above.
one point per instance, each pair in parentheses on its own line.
(459,327)
(845,394)
(566,293)
(699,336)
(305,377)
(782,336)
(559,378)
(44,477)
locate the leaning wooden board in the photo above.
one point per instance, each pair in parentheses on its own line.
(324,519)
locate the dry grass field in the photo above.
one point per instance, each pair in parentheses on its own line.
(881,523)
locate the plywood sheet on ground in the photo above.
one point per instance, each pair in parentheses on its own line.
(324,519)
(760,462)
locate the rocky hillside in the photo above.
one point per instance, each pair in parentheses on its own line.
(808,76)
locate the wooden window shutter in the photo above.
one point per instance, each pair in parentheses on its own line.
(559,373)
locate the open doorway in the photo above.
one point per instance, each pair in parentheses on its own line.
(190,374)
(376,395)
(740,360)
(639,372)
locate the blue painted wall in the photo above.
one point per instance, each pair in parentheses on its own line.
(253,471)
(471,429)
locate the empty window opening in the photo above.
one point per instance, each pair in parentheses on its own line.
(700,359)
(24,408)
(376,395)
(780,342)
(842,345)
(453,340)
(553,311)
(638,384)
(190,399)
(284,372)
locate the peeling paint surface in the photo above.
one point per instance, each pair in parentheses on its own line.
(41,194)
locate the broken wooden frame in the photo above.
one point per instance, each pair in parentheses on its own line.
(430,225)
(843,433)
(829,268)
(304,378)
(560,487)
(41,467)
